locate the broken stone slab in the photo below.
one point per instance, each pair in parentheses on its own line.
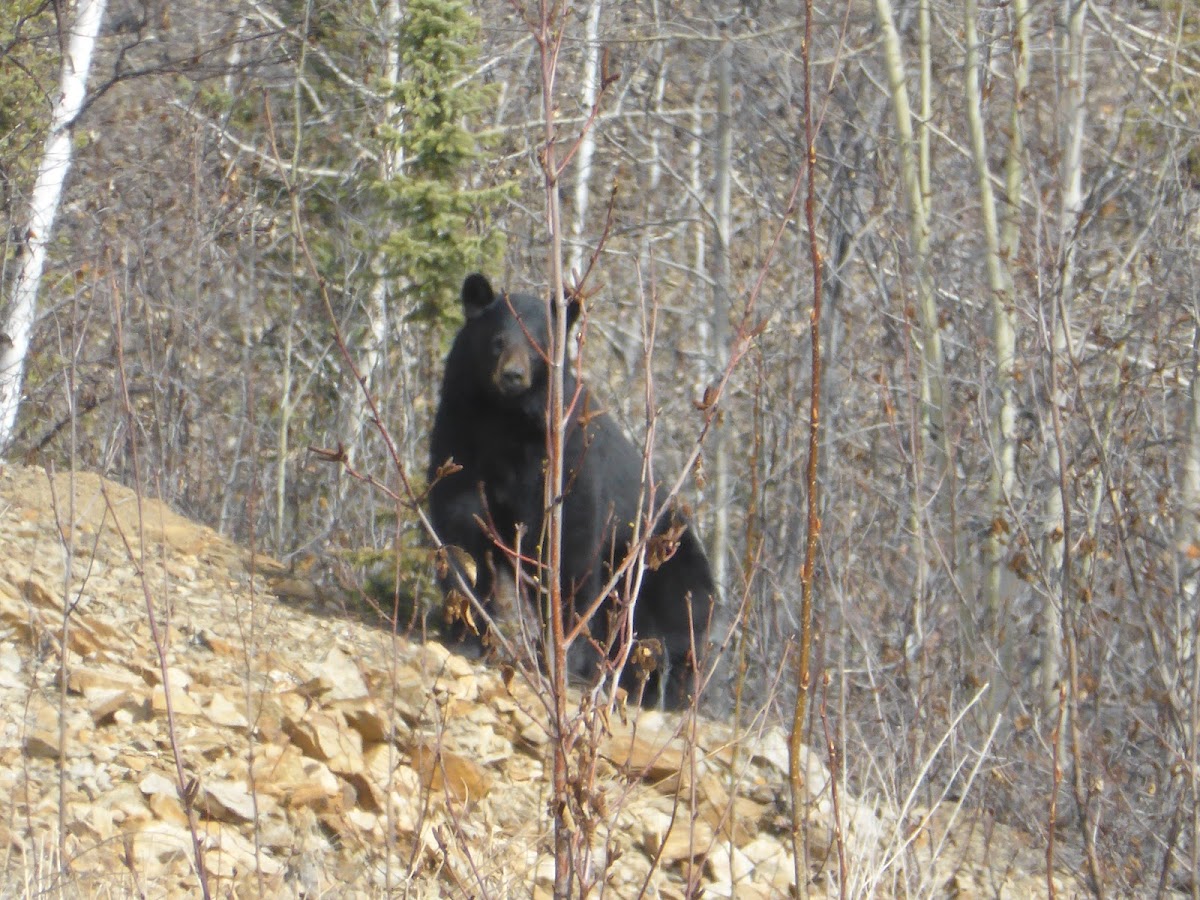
(728,865)
(444,772)
(225,713)
(108,706)
(674,835)
(157,842)
(182,703)
(772,863)
(326,737)
(364,716)
(655,757)
(225,801)
(154,782)
(737,817)
(168,808)
(335,677)
(87,681)
(42,730)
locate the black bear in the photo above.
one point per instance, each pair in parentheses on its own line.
(491,423)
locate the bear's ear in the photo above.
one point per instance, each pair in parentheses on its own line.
(477,295)
(573,306)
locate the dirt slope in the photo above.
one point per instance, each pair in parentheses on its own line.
(324,757)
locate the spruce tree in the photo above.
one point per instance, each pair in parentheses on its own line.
(441,225)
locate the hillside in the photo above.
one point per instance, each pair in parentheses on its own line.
(328,758)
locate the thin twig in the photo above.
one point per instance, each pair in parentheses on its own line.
(813,522)
(186,786)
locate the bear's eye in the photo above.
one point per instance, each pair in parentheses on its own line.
(498,344)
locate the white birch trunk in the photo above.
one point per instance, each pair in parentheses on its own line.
(655,168)
(390,161)
(916,201)
(700,220)
(286,404)
(587,144)
(1004,338)
(1188,615)
(914,166)
(696,157)
(1188,531)
(1074,93)
(720,313)
(17,328)
(925,61)
(1000,282)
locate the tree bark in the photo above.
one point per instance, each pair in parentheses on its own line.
(391,160)
(1188,624)
(998,253)
(720,314)
(587,142)
(914,165)
(1053,540)
(43,208)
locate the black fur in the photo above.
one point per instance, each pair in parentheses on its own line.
(491,420)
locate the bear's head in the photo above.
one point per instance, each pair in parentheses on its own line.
(508,335)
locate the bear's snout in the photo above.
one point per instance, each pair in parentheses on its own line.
(512,375)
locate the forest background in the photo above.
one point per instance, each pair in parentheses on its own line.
(271,204)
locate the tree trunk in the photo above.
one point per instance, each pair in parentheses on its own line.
(587,143)
(378,312)
(1054,540)
(914,174)
(999,277)
(720,313)
(1188,623)
(43,207)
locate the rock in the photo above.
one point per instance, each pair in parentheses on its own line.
(728,866)
(105,705)
(364,717)
(222,711)
(338,677)
(736,817)
(41,596)
(88,681)
(157,783)
(773,749)
(772,863)
(160,842)
(326,737)
(443,771)
(374,758)
(42,734)
(226,801)
(379,765)
(673,837)
(181,702)
(180,679)
(320,789)
(653,756)
(41,745)
(218,645)
(168,808)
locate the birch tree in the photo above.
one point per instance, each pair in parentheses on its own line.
(378,308)
(589,92)
(1057,531)
(18,325)
(1000,244)
(913,149)
(722,291)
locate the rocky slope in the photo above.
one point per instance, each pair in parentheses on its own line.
(324,757)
